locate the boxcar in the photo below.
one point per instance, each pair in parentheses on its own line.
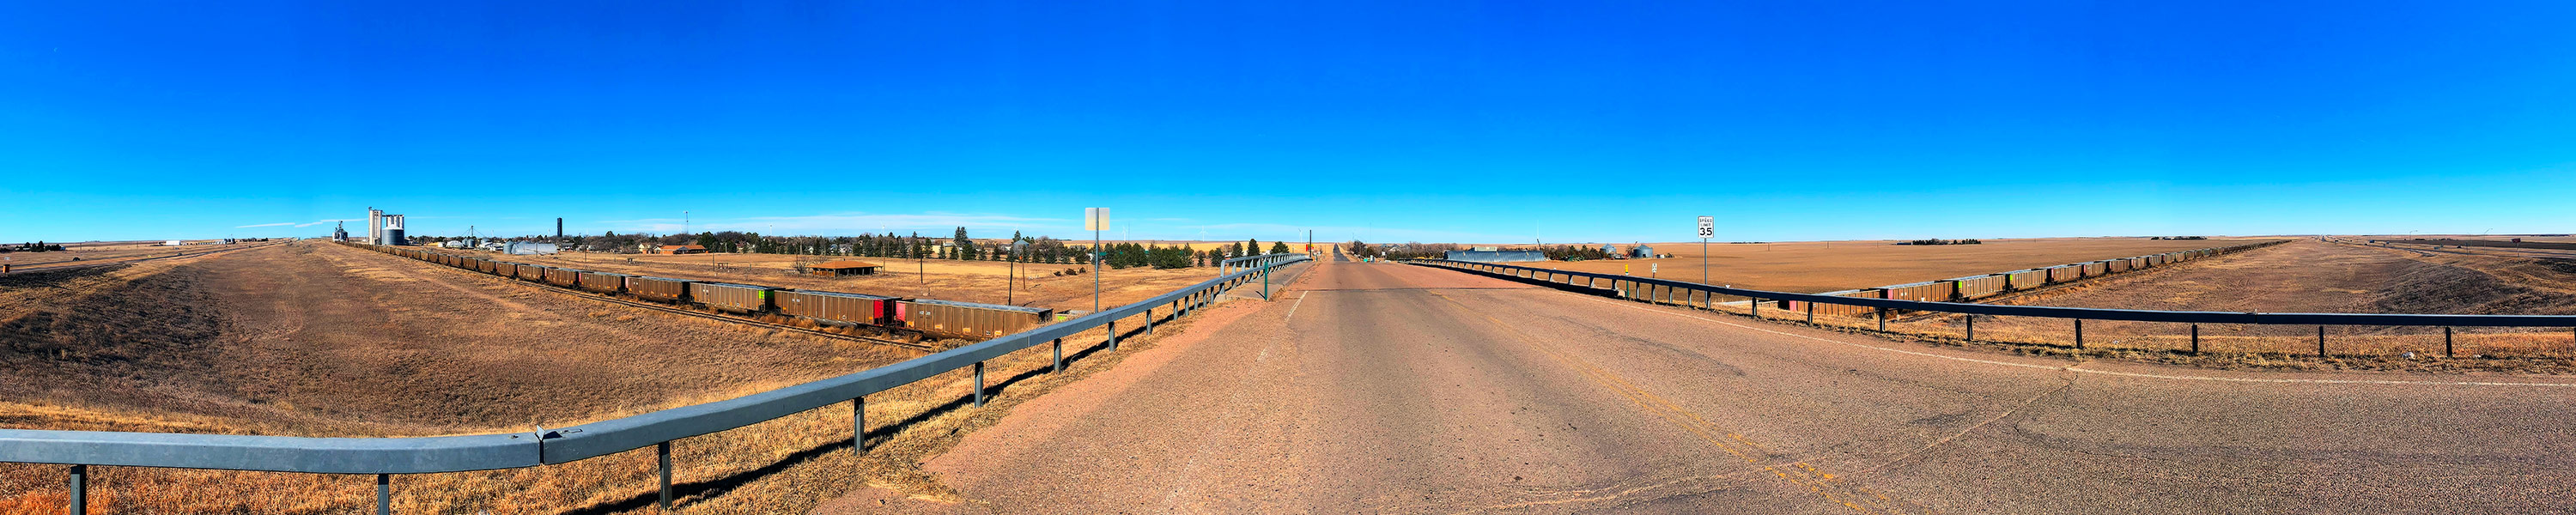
(602,282)
(658,288)
(2026,279)
(1830,309)
(1932,291)
(564,277)
(2116,266)
(1978,287)
(969,319)
(846,308)
(2062,274)
(528,272)
(2139,262)
(2097,268)
(742,298)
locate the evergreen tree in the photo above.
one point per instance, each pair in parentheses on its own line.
(1251,246)
(1278,247)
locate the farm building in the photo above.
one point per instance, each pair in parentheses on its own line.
(680,249)
(842,268)
(525,248)
(1641,252)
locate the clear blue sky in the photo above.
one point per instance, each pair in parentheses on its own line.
(1389,121)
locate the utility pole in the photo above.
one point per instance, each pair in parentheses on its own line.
(1096,219)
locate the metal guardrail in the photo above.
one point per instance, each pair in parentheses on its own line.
(423,455)
(2078,315)
(2201,317)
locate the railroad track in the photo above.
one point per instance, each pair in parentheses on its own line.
(695,313)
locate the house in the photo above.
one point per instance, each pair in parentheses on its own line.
(680,249)
(842,268)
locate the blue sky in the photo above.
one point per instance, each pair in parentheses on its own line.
(1388,121)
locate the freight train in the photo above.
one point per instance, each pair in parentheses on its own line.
(1980,287)
(930,316)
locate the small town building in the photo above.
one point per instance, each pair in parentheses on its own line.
(680,249)
(842,268)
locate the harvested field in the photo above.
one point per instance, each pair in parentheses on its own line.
(2300,276)
(1814,267)
(972,281)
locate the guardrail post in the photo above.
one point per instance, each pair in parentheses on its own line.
(1756,302)
(384,494)
(2079,334)
(80,490)
(2321,341)
(1149,320)
(1972,328)
(1113,336)
(1882,319)
(859,425)
(2195,338)
(1059,355)
(664,450)
(979,384)
(1811,312)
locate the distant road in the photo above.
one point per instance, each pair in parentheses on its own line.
(1391,388)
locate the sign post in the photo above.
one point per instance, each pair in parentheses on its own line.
(1096,219)
(1707,228)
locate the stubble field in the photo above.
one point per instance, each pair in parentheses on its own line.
(1813,267)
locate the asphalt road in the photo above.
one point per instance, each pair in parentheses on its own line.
(1391,388)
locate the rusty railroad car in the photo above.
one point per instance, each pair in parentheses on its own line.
(2023,280)
(564,277)
(658,288)
(969,319)
(837,307)
(603,282)
(740,298)
(528,272)
(1978,287)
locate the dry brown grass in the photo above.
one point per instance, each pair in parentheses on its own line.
(283,301)
(781,465)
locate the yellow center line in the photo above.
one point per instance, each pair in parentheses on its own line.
(1807,475)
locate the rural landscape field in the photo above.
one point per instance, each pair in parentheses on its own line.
(844,258)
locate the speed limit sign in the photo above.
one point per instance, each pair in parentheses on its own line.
(1707,227)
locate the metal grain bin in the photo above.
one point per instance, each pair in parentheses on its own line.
(528,272)
(602,282)
(1934,291)
(742,298)
(1978,287)
(564,277)
(2025,280)
(970,319)
(658,288)
(836,307)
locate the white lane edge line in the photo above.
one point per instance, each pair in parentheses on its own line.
(1292,307)
(2089,371)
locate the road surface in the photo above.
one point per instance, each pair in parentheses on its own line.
(1388,388)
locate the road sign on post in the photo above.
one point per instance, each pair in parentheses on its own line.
(1707,228)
